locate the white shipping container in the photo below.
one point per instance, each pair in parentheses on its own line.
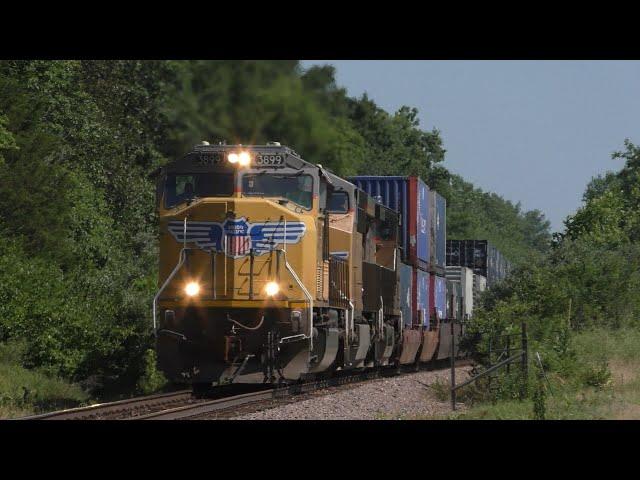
(465,276)
(479,286)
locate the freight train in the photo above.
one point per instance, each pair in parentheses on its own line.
(273,269)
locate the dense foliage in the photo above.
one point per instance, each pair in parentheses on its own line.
(590,279)
(77,231)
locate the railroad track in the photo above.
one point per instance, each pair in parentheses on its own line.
(225,407)
(207,407)
(158,407)
(120,409)
(228,407)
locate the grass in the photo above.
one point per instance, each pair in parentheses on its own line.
(25,392)
(603,382)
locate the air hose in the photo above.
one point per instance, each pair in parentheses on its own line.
(244,326)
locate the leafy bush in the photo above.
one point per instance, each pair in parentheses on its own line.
(598,377)
(151,380)
(24,392)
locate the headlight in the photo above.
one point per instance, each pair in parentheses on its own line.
(271,288)
(192,289)
(244,159)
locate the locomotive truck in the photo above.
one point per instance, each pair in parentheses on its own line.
(273,269)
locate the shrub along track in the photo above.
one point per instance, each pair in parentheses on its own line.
(228,402)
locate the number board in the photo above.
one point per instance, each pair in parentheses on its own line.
(208,158)
(269,160)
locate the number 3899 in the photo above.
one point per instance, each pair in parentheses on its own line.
(269,160)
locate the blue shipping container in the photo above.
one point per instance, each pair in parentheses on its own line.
(406,293)
(409,196)
(422,297)
(422,219)
(440,225)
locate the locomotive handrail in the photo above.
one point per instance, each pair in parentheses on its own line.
(381,319)
(351,323)
(181,260)
(306,293)
(183,256)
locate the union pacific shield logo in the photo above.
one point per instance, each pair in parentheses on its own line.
(236,237)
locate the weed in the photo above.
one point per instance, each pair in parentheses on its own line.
(152,379)
(539,396)
(24,391)
(598,377)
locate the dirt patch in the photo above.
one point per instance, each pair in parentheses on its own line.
(624,373)
(626,380)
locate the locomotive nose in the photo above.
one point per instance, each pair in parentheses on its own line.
(241,249)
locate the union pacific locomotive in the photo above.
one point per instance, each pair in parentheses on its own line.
(273,269)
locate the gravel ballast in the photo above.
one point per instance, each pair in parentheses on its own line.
(402,397)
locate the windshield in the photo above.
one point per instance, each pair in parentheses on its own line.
(182,187)
(297,188)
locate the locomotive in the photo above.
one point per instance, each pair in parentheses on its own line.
(273,269)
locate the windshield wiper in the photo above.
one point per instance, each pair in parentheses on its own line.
(188,201)
(291,175)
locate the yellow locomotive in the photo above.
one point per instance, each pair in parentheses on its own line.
(273,269)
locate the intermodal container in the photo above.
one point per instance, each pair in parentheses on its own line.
(464,276)
(438,232)
(479,286)
(406,293)
(454,300)
(409,196)
(421,298)
(438,295)
(481,256)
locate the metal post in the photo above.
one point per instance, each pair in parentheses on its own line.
(453,367)
(490,346)
(490,352)
(525,361)
(508,353)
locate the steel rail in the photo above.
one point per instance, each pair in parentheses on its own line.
(93,411)
(202,408)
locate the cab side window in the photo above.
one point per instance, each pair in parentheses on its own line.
(179,189)
(338,202)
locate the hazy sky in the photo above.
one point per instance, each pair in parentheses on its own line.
(532,131)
